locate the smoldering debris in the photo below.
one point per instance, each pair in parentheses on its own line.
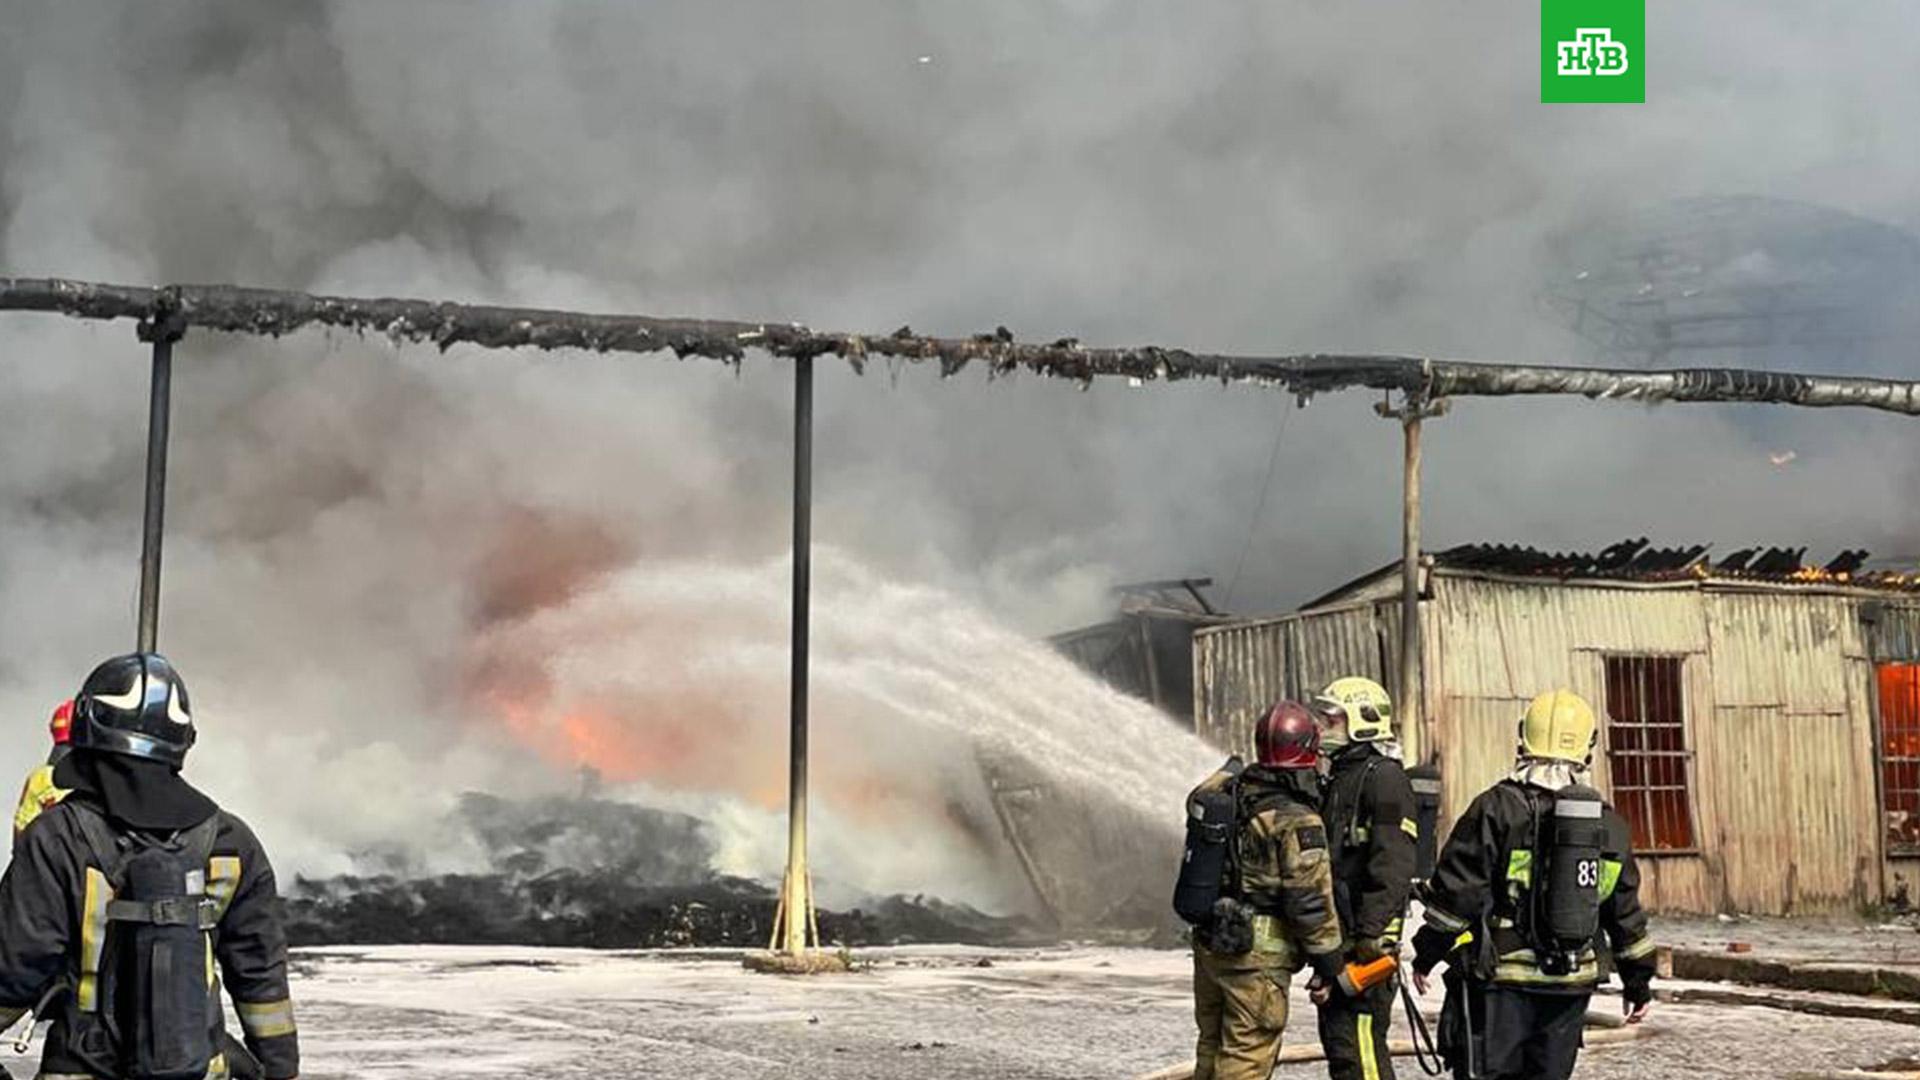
(589,872)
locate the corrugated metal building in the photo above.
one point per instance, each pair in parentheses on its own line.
(1146,650)
(1760,719)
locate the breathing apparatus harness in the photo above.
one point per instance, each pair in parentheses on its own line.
(1208,894)
(1356,979)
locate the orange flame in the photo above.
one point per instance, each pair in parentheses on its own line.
(584,735)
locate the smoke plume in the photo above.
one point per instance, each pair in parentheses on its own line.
(396,575)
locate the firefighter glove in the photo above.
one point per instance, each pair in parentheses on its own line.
(1326,970)
(1637,992)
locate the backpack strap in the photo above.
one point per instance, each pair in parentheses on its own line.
(201,913)
(108,845)
(196,909)
(1359,800)
(197,844)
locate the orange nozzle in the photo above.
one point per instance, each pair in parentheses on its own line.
(1357,979)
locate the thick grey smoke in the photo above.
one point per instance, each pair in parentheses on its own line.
(364,543)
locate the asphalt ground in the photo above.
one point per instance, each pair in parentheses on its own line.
(949,1013)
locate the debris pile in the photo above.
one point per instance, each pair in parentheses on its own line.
(594,873)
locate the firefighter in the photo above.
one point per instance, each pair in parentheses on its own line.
(1532,873)
(1272,910)
(125,901)
(1372,827)
(40,792)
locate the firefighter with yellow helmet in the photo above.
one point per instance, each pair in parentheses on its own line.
(1372,826)
(1532,874)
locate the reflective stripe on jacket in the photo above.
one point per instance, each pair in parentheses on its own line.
(53,902)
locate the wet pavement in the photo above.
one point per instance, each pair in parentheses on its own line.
(952,1013)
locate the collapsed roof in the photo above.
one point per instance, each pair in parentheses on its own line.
(1637,560)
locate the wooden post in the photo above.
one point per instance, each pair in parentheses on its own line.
(1408,704)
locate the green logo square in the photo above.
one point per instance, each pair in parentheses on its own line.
(1593,50)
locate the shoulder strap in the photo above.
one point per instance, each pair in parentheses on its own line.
(103,840)
(1366,777)
(197,843)
(1231,881)
(193,848)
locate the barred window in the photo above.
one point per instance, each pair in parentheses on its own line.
(1647,755)
(1900,756)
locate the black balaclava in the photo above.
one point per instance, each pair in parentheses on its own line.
(145,795)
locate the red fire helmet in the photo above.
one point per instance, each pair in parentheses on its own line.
(1287,737)
(61,726)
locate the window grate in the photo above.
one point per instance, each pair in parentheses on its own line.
(1647,755)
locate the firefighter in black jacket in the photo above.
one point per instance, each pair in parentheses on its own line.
(1531,875)
(1271,912)
(66,923)
(1372,827)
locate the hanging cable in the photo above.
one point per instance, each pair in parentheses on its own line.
(1424,1051)
(1259,509)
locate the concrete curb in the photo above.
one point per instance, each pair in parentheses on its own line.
(1860,980)
(1853,1074)
(1889,1012)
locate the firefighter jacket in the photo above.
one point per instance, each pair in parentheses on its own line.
(1480,898)
(37,795)
(53,922)
(1280,869)
(1372,830)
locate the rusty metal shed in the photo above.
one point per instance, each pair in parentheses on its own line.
(1760,717)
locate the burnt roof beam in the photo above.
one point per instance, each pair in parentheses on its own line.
(273,313)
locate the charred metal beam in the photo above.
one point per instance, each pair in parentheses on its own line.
(233,309)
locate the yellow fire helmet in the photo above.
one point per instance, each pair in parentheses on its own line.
(1369,710)
(1559,725)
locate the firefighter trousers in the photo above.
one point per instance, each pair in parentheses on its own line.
(1525,1034)
(1240,1008)
(1353,1032)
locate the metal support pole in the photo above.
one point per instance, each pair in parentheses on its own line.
(162,331)
(1408,704)
(797,905)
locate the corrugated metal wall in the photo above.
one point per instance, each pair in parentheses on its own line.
(1778,724)
(1791,799)
(1498,644)
(1779,712)
(1894,633)
(1242,668)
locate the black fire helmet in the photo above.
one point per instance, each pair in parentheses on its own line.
(135,705)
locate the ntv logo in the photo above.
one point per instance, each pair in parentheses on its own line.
(1580,39)
(1593,52)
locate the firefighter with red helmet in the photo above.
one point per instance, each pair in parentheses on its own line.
(40,792)
(1257,885)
